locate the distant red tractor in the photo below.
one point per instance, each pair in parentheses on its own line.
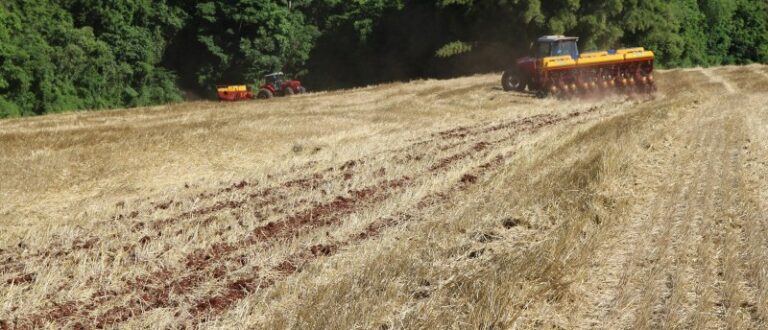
(276,85)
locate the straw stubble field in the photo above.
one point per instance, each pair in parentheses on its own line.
(430,204)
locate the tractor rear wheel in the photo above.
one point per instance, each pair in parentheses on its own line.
(264,94)
(512,80)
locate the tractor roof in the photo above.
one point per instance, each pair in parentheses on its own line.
(274,74)
(557,38)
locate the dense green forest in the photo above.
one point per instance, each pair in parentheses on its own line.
(91,54)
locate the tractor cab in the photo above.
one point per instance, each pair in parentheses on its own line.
(558,46)
(275,79)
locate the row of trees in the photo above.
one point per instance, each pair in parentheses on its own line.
(91,54)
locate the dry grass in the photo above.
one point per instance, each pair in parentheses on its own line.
(430,204)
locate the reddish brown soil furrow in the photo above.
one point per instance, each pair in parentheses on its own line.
(445,162)
(460,132)
(153,289)
(265,196)
(164,205)
(256,200)
(23,279)
(295,262)
(233,292)
(201,260)
(318,216)
(216,305)
(268,195)
(304,222)
(13,264)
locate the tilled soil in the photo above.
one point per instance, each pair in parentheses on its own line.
(621,212)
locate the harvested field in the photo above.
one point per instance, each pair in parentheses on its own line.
(429,204)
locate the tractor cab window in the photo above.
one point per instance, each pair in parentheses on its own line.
(545,49)
(568,48)
(558,48)
(276,80)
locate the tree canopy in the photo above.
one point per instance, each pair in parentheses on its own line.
(90,54)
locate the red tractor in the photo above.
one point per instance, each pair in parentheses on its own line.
(276,85)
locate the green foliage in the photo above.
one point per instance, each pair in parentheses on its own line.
(246,38)
(453,49)
(8,109)
(361,15)
(82,54)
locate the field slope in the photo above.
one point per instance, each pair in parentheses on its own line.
(430,204)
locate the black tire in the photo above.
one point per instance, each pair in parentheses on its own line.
(512,80)
(264,94)
(288,91)
(302,90)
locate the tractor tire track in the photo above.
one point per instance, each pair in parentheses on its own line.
(683,256)
(658,281)
(627,245)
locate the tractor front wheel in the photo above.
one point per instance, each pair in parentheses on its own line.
(512,80)
(288,91)
(264,94)
(302,90)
